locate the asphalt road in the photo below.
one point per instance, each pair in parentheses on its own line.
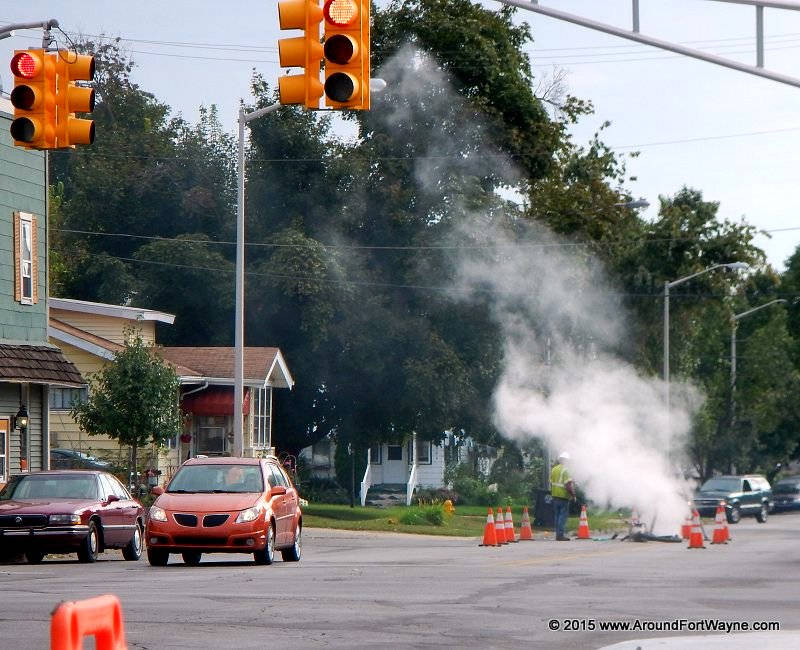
(372,589)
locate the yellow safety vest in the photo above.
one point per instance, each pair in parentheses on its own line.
(559,477)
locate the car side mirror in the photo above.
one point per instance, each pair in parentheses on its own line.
(277,490)
(157,490)
(111,498)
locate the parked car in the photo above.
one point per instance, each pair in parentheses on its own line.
(742,495)
(69,511)
(74,459)
(225,505)
(787,493)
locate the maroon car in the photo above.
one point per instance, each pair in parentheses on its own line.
(69,511)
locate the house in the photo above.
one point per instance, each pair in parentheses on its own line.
(411,465)
(30,366)
(91,333)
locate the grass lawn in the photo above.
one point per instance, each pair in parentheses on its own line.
(466,521)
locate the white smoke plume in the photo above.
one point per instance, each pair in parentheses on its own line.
(563,380)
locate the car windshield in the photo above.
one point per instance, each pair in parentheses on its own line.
(51,486)
(217,478)
(721,484)
(787,487)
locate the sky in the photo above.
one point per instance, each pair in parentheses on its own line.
(733,136)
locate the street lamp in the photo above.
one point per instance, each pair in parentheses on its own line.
(238,380)
(734,323)
(667,286)
(634,203)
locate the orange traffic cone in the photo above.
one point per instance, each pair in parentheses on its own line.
(583,526)
(725,524)
(489,536)
(509,525)
(719,527)
(686,528)
(696,536)
(525,532)
(500,528)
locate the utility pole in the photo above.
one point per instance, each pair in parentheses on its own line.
(238,381)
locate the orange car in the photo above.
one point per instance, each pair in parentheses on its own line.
(225,505)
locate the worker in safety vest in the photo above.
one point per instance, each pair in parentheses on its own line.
(562,490)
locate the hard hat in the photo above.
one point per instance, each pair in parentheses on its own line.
(563,455)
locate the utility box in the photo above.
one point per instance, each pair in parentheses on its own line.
(543,511)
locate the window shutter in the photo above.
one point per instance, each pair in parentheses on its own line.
(17,265)
(34,261)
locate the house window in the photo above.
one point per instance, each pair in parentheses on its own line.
(394,452)
(62,399)
(211,436)
(376,455)
(423,451)
(262,416)
(25,261)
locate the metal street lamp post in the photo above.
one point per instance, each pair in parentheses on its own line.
(238,381)
(734,324)
(667,287)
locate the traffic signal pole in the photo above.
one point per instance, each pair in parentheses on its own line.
(238,386)
(46,25)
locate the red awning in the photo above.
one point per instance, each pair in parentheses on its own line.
(215,400)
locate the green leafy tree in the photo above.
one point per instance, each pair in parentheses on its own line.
(133,399)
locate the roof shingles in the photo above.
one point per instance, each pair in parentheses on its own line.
(37,364)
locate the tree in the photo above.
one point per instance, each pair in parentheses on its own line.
(133,399)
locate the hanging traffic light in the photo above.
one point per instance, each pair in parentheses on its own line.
(34,99)
(346,52)
(300,52)
(72,98)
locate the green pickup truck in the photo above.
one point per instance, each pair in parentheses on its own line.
(750,494)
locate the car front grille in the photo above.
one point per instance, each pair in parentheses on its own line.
(188,540)
(185,520)
(210,521)
(22,521)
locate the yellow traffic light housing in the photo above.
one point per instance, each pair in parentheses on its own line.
(347,50)
(72,98)
(300,52)
(34,99)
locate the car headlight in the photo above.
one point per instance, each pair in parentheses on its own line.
(62,520)
(157,514)
(251,514)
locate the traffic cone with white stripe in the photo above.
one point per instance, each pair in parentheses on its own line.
(500,528)
(583,525)
(686,528)
(525,531)
(696,536)
(489,536)
(719,536)
(509,526)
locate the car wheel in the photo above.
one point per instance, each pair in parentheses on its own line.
(191,558)
(90,547)
(292,554)
(734,515)
(34,557)
(761,517)
(133,549)
(267,556)
(157,557)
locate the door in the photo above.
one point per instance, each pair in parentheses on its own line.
(395,467)
(4,434)
(276,478)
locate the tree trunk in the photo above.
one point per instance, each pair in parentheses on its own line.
(137,492)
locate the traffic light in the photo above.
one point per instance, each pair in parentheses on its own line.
(300,52)
(72,98)
(346,50)
(34,99)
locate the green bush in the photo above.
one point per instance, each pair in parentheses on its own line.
(423,515)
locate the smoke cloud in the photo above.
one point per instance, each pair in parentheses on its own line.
(563,379)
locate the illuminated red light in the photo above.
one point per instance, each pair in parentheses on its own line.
(341,12)
(24,65)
